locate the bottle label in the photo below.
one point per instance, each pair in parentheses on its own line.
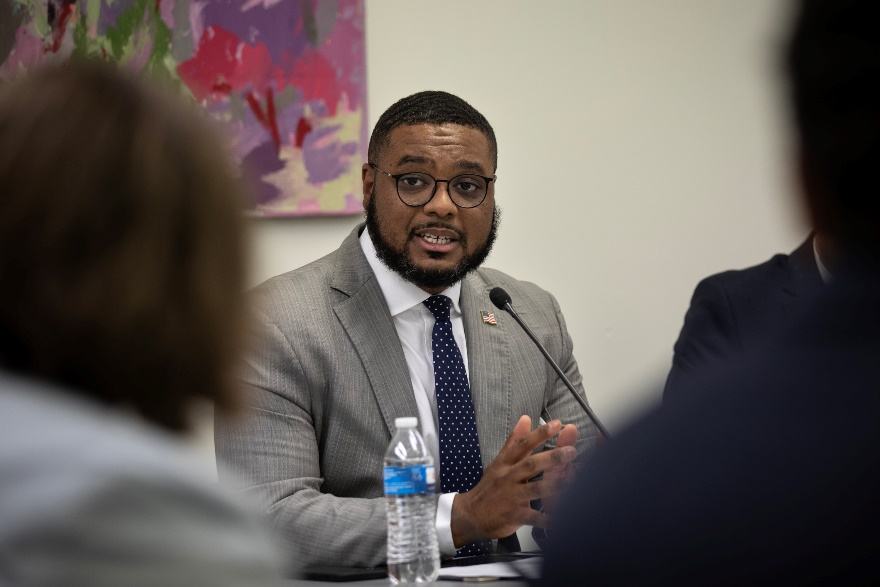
(409,480)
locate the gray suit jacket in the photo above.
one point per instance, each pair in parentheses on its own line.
(92,497)
(330,378)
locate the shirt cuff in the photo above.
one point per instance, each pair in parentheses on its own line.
(444,525)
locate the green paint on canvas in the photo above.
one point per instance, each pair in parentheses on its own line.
(81,42)
(93,11)
(120,36)
(37,15)
(285,98)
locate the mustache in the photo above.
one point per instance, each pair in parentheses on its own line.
(443,225)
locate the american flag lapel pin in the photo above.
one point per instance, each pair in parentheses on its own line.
(488,317)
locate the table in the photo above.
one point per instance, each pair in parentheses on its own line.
(386,583)
(523,562)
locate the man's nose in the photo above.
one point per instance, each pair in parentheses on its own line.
(441,204)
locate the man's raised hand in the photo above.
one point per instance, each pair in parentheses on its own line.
(499,504)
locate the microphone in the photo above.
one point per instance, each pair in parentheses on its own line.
(501,299)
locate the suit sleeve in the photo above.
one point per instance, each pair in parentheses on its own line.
(272,454)
(710,332)
(560,403)
(562,406)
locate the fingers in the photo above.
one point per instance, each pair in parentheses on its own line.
(541,489)
(499,503)
(536,519)
(520,431)
(533,465)
(568,436)
(521,442)
(556,458)
(559,476)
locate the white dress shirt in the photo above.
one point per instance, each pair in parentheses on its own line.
(414,324)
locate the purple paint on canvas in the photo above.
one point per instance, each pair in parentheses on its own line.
(139,59)
(287,121)
(285,77)
(279,28)
(247,133)
(259,162)
(110,13)
(326,159)
(197,17)
(166,11)
(319,108)
(28,52)
(352,201)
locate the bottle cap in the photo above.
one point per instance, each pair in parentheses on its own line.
(410,422)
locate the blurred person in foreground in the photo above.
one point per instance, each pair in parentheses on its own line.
(121,261)
(771,473)
(733,311)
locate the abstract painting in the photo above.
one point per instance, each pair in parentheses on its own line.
(285,78)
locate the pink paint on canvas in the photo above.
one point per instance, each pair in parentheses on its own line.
(287,80)
(292,76)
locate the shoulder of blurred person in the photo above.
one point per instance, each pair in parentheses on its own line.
(732,311)
(770,470)
(93,496)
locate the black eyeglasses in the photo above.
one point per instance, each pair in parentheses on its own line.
(417,189)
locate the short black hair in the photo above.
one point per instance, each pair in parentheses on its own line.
(833,64)
(429,107)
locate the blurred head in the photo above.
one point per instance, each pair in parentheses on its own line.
(121,243)
(833,63)
(431,240)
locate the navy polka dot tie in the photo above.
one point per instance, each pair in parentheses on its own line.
(461,465)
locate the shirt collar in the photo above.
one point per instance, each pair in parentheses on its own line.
(823,270)
(401,295)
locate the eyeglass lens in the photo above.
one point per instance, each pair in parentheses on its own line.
(465,190)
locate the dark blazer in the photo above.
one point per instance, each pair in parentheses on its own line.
(770,475)
(734,311)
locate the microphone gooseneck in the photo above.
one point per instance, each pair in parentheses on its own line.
(502,301)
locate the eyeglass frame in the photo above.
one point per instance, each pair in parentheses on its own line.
(396,178)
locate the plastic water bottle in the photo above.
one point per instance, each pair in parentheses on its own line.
(413,556)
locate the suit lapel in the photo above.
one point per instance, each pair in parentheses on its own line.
(364,316)
(488,366)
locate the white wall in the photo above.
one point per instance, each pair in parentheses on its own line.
(642,146)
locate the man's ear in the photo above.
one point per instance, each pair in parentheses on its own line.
(367,179)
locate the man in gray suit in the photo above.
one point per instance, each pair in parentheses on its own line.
(348,348)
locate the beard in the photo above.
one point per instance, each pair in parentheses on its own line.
(398,261)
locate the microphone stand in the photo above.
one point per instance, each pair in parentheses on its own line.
(509,309)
